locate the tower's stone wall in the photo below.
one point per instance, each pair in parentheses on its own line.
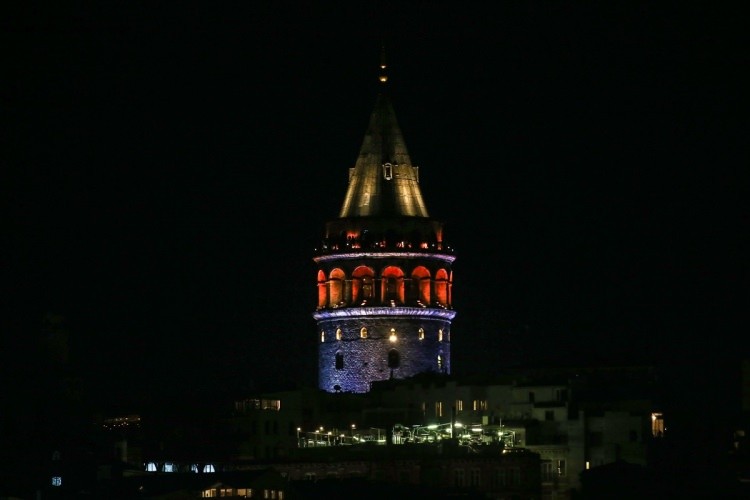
(363,360)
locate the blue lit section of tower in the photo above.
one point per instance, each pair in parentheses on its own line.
(385,277)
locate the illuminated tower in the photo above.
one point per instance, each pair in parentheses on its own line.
(384,272)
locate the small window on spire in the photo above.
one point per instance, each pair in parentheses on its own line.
(388,171)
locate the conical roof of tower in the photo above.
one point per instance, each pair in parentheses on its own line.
(383,182)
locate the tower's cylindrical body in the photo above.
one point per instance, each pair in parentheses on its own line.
(392,318)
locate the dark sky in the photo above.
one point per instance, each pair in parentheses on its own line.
(168,171)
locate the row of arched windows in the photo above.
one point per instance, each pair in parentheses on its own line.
(392,335)
(392,287)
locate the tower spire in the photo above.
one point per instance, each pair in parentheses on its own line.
(383,182)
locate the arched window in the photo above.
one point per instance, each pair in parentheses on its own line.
(441,287)
(440,335)
(393,285)
(440,362)
(338,334)
(362,285)
(322,336)
(339,361)
(394,359)
(421,334)
(322,294)
(336,288)
(392,336)
(363,333)
(420,285)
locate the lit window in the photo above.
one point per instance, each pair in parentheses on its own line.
(459,405)
(388,171)
(363,333)
(438,408)
(657,424)
(56,481)
(151,467)
(338,334)
(479,404)
(421,334)
(209,468)
(270,404)
(169,467)
(393,337)
(322,336)
(440,362)
(440,335)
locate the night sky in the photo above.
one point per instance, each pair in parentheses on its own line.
(168,169)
